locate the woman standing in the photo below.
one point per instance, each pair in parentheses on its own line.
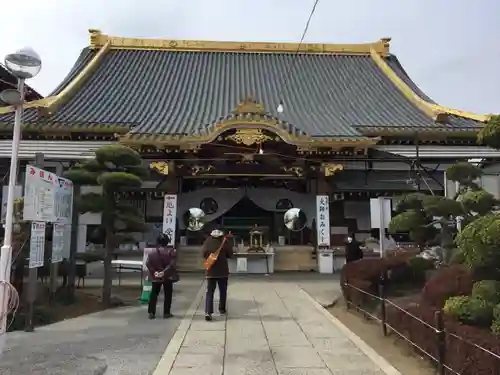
(216,250)
(161,265)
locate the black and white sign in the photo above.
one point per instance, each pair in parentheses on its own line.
(323,220)
(170,216)
(37,244)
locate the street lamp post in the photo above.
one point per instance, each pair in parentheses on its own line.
(23,64)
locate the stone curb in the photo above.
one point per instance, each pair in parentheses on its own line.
(168,358)
(385,366)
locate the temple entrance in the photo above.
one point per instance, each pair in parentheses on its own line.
(243,217)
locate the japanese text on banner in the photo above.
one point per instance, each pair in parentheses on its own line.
(37,244)
(170,216)
(323,220)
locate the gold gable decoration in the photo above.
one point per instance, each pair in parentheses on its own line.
(331,169)
(250,105)
(160,166)
(249,136)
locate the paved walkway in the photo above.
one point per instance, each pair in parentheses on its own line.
(113,342)
(273,327)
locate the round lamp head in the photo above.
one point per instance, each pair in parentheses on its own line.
(11,97)
(24,64)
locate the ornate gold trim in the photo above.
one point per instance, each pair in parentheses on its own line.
(432,110)
(51,103)
(193,142)
(160,166)
(330,169)
(249,137)
(98,39)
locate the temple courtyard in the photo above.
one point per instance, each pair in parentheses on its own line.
(276,325)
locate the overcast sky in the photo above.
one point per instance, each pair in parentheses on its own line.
(451,48)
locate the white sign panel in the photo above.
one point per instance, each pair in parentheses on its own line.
(323,220)
(18,193)
(47,197)
(37,244)
(169,216)
(380,210)
(59,243)
(63,200)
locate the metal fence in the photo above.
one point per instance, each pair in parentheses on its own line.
(438,329)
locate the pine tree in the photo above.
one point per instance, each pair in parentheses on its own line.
(116,169)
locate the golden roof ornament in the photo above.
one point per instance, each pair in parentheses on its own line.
(250,105)
(160,166)
(331,169)
(249,136)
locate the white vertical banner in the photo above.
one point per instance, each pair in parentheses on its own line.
(323,220)
(37,244)
(58,242)
(170,216)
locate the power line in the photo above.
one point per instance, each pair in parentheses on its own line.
(292,63)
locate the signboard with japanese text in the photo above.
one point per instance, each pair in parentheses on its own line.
(63,202)
(323,220)
(39,195)
(37,244)
(170,216)
(47,197)
(59,242)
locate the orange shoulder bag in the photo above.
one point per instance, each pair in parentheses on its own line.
(212,258)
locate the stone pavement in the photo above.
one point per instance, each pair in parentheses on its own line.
(113,342)
(273,328)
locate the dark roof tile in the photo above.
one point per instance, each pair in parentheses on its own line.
(166,92)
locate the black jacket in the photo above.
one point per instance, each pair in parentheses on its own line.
(353,251)
(220,268)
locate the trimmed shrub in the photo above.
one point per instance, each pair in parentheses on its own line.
(448,282)
(495,327)
(462,355)
(457,307)
(470,310)
(496,312)
(488,290)
(419,267)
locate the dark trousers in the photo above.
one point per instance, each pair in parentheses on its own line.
(167,291)
(212,283)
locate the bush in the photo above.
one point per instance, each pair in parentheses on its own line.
(462,355)
(495,327)
(496,312)
(457,257)
(457,307)
(479,242)
(365,275)
(470,310)
(447,282)
(488,290)
(419,267)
